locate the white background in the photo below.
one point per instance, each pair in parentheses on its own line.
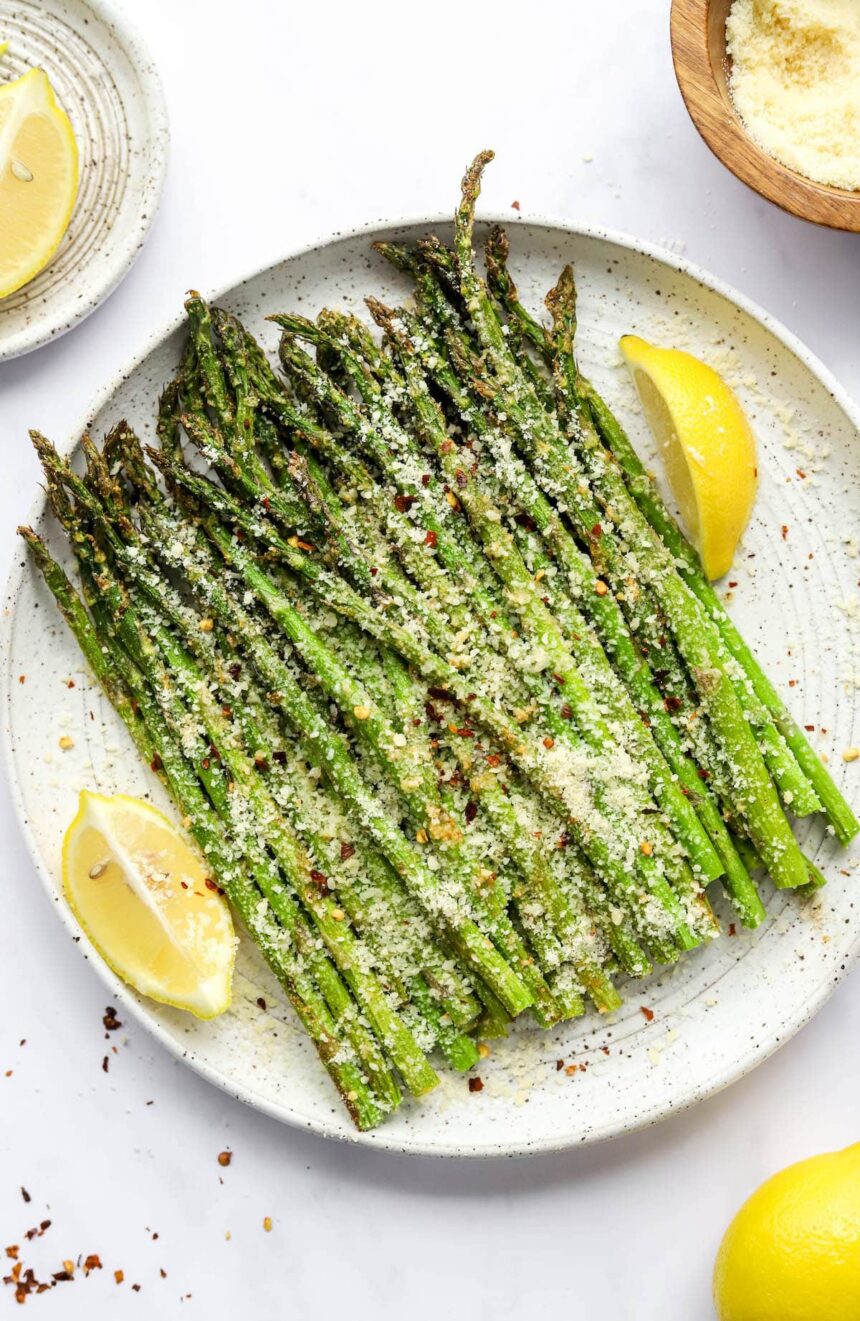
(290,121)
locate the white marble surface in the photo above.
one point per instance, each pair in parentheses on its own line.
(289,122)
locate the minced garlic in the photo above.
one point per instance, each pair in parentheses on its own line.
(795,82)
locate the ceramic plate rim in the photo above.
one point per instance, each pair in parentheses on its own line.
(747,1059)
(41,332)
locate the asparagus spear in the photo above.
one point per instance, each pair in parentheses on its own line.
(559,472)
(156,746)
(606,616)
(646,494)
(647,497)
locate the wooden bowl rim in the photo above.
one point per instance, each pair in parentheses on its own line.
(732,145)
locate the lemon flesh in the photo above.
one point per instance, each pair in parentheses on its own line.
(140,892)
(38,178)
(792,1253)
(706,445)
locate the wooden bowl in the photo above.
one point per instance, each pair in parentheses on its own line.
(702,67)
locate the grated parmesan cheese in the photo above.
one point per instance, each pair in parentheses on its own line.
(795,83)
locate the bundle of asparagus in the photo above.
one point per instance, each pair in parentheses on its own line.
(435,681)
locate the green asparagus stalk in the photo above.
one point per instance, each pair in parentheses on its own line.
(156,746)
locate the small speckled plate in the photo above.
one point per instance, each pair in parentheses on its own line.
(794,592)
(106,82)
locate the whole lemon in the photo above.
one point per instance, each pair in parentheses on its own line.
(792,1252)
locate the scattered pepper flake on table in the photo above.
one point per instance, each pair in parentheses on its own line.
(110,1020)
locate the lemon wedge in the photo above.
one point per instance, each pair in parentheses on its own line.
(144,898)
(38,178)
(706,445)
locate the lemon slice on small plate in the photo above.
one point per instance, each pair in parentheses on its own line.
(38,178)
(144,897)
(706,444)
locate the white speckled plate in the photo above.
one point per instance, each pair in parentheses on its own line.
(106,82)
(795,593)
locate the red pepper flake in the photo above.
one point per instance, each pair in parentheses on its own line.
(110,1020)
(261,1003)
(460,478)
(476,1085)
(92,1263)
(647,1014)
(12,1252)
(403,503)
(267,504)
(119,1276)
(785,531)
(809,728)
(702,773)
(792,683)
(106,1062)
(559,1065)
(70,683)
(24,1193)
(136,1288)
(319,879)
(22,678)
(471,811)
(162,1272)
(224,1158)
(425,479)
(672,703)
(733,931)
(801,474)
(156,764)
(605,1049)
(493,759)
(430,539)
(566,712)
(465,732)
(732,584)
(515,206)
(525,521)
(549,742)
(212,885)
(347,851)
(597,531)
(440,694)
